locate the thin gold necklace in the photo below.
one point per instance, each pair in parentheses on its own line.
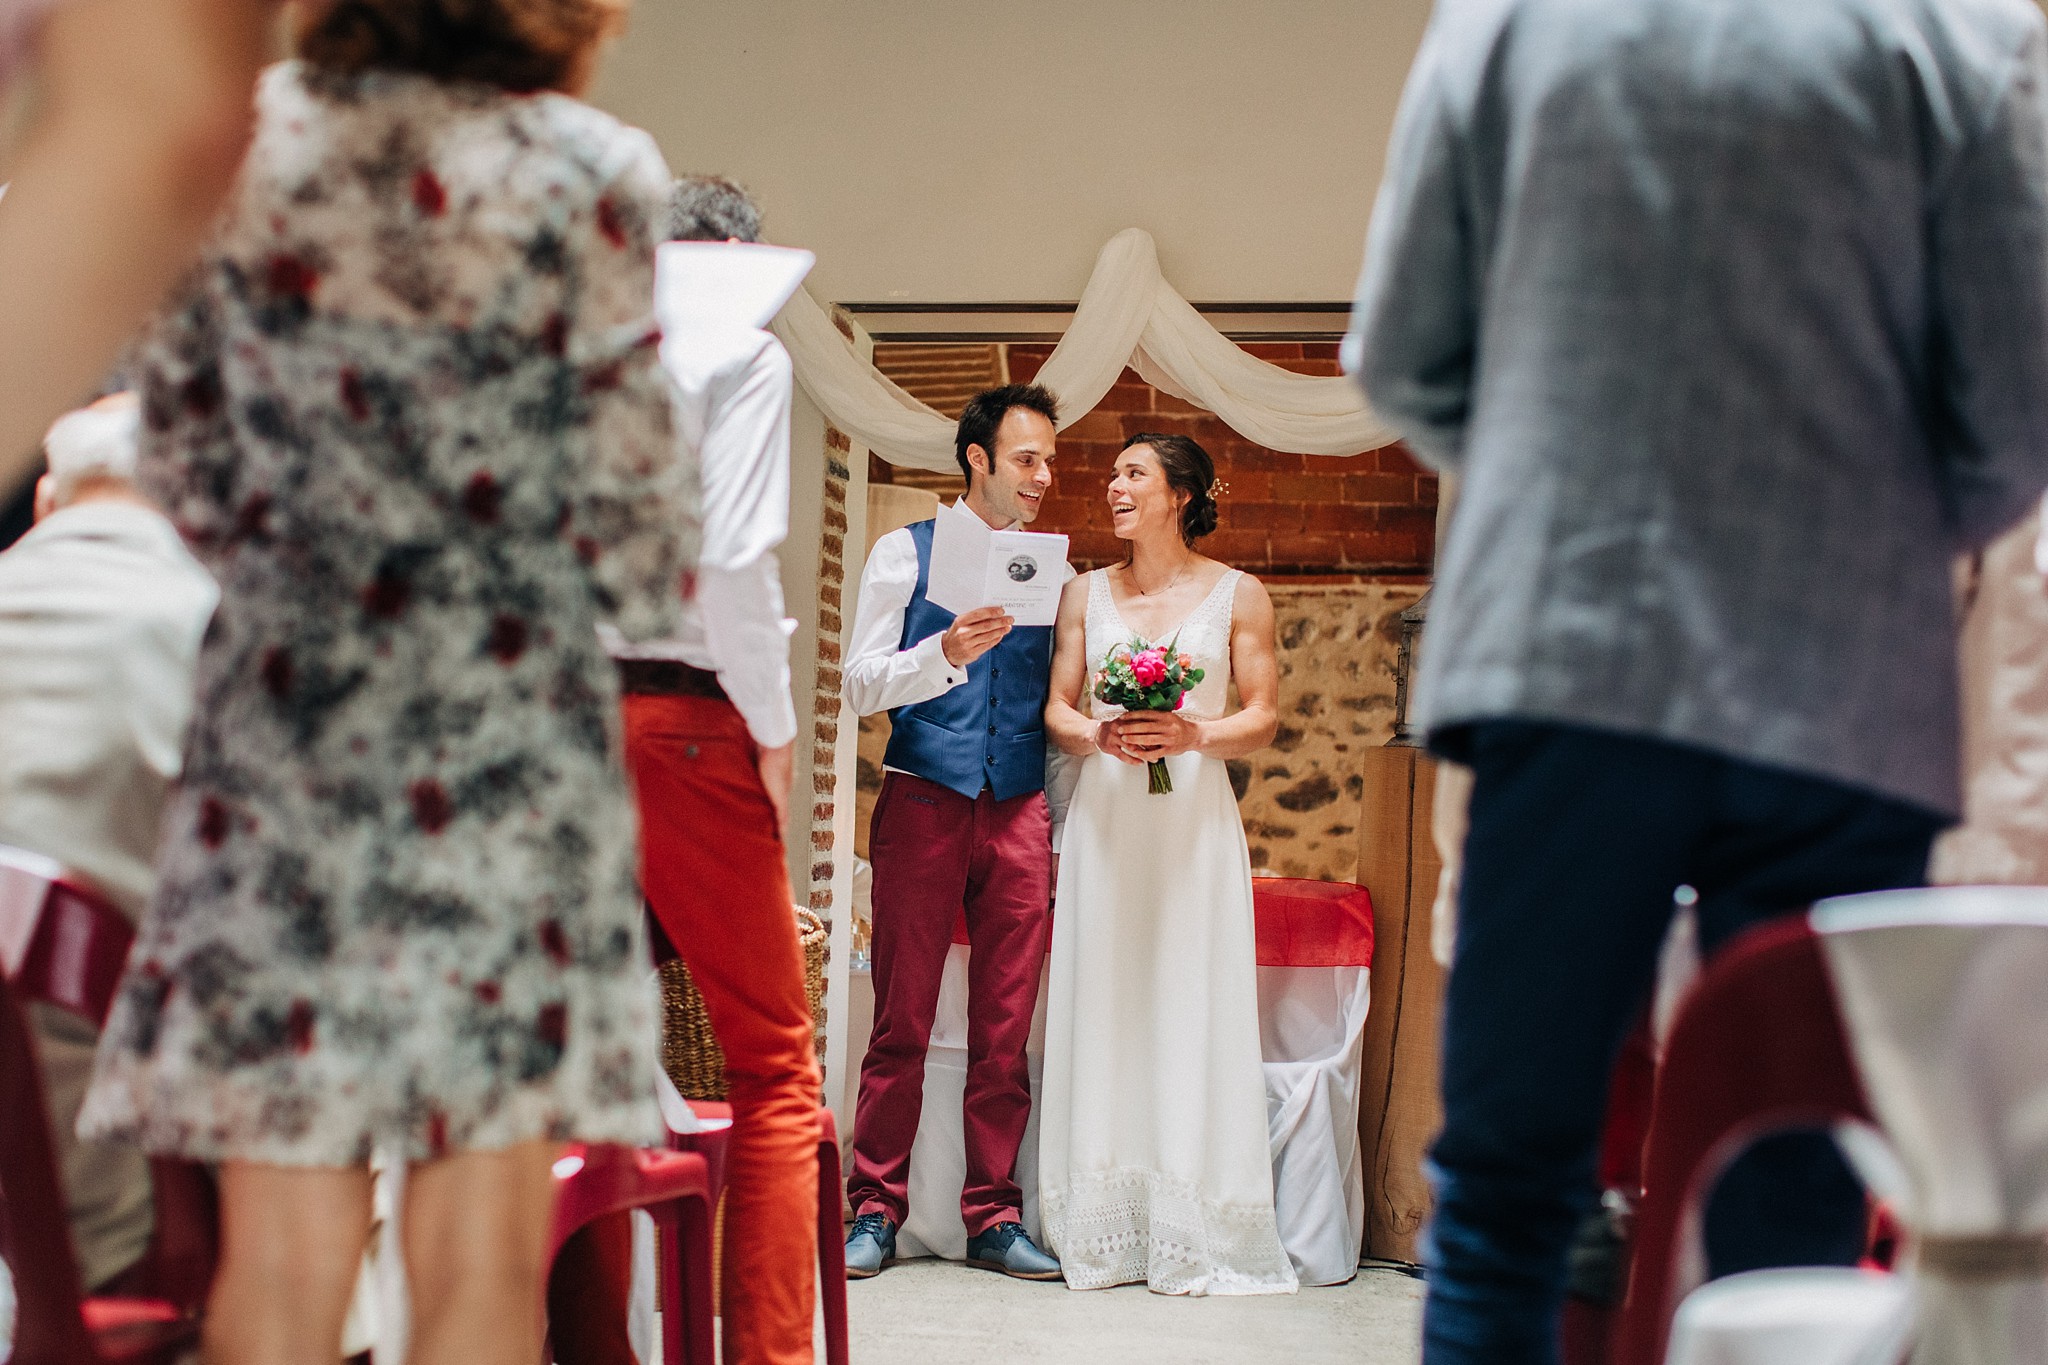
(1131,571)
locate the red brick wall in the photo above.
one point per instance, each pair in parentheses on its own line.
(1284,514)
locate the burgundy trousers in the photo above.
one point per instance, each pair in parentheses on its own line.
(935,854)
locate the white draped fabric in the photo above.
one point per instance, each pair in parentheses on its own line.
(1128,315)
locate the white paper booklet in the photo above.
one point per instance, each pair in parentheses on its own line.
(742,283)
(1022,572)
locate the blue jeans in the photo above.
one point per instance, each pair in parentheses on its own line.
(1578,841)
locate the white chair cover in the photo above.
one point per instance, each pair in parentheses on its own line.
(1311,1034)
(380,1313)
(1819,1316)
(1944,994)
(938,1157)
(25,879)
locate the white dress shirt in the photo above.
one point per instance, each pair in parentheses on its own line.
(878,675)
(101,611)
(732,387)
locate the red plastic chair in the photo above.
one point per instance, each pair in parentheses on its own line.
(831,1246)
(831,1231)
(62,944)
(1759,1046)
(678,1190)
(683,1197)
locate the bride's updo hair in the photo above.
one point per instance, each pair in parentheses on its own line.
(1188,470)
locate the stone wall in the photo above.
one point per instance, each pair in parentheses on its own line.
(1300,799)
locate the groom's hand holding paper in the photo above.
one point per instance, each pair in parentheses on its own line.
(975,634)
(1022,572)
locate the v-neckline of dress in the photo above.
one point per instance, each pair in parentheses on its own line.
(1118,612)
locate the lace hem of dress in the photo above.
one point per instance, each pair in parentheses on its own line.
(1129,1226)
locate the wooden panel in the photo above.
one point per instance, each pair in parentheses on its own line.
(1399,1106)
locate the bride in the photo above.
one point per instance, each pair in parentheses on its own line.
(1153,1157)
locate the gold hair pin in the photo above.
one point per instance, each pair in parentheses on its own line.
(1218,490)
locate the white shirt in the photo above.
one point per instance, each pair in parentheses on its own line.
(878,675)
(732,388)
(101,613)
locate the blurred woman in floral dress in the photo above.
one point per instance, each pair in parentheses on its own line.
(408,412)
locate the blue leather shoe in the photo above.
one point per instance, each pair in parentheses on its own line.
(870,1247)
(1008,1248)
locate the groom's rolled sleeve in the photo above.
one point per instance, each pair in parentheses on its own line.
(879,675)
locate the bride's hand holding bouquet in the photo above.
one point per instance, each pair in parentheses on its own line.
(1151,683)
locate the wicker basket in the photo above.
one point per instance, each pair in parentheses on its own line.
(689,1052)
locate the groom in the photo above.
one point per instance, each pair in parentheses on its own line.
(961,825)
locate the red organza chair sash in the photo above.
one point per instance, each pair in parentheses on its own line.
(1312,924)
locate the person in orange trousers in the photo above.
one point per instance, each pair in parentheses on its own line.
(714,876)
(710,732)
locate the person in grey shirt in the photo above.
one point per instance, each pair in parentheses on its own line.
(101,611)
(1731,317)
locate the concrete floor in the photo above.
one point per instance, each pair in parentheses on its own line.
(932,1312)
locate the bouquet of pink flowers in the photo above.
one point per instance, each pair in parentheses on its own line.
(1145,677)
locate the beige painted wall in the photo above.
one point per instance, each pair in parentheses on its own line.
(952,151)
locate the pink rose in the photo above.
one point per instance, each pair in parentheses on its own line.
(1180,701)
(1149,668)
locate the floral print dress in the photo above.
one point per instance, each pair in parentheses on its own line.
(408,412)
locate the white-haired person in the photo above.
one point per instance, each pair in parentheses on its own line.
(101,612)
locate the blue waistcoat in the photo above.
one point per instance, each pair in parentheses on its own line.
(987,732)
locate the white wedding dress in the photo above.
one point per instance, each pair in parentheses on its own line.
(1154,1165)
